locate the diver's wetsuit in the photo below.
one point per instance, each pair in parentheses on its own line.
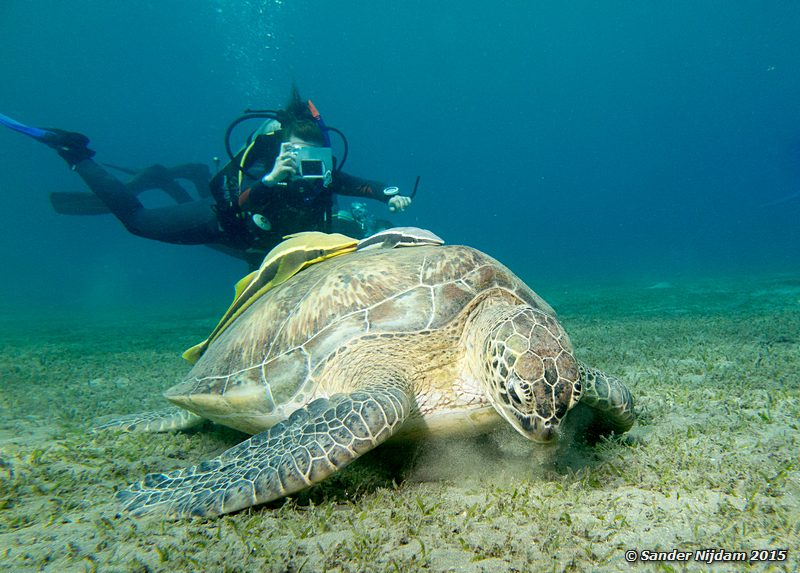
(189,223)
(302,204)
(299,206)
(165,178)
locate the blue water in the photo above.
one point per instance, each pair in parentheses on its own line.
(588,141)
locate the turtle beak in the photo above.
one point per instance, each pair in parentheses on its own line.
(535,429)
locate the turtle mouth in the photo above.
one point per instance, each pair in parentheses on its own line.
(536,429)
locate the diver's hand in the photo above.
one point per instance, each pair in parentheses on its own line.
(399,203)
(284,168)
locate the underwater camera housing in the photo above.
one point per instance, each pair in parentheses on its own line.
(313,162)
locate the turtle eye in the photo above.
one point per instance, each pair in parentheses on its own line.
(512,392)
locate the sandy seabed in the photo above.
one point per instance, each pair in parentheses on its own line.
(712,463)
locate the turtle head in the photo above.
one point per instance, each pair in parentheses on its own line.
(529,372)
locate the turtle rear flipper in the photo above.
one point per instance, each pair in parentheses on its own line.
(166,420)
(610,400)
(310,445)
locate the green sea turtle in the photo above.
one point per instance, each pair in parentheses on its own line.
(356,349)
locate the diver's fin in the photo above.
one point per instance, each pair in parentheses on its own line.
(77,203)
(73,147)
(34,132)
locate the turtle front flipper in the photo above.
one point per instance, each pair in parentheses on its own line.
(304,449)
(166,420)
(609,398)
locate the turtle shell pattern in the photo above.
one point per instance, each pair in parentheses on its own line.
(262,368)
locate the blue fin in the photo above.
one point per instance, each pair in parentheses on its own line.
(33,132)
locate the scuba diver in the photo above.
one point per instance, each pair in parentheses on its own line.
(282,181)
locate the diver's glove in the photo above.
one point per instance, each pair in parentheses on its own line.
(71,146)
